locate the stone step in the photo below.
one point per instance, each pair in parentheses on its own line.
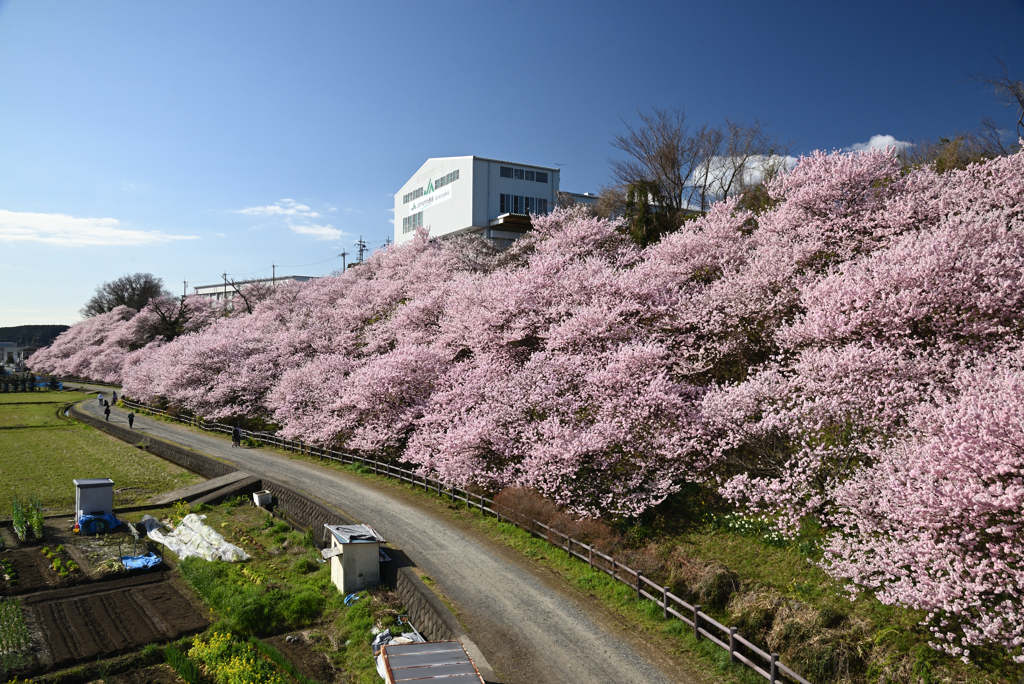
(199,489)
(241,488)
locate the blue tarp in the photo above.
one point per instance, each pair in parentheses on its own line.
(94,524)
(138,562)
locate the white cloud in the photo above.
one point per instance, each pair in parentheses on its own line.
(319,232)
(68,231)
(878,142)
(285,207)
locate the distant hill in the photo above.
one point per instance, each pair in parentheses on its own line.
(32,335)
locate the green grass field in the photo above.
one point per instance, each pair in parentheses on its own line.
(43,452)
(29,414)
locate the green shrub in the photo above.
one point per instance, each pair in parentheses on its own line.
(185,668)
(249,608)
(304,566)
(19,518)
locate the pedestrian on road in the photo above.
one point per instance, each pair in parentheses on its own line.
(131,420)
(99,398)
(106,412)
(106,403)
(115,397)
(236,438)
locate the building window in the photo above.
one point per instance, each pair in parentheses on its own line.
(411,223)
(517,204)
(445,180)
(410,196)
(524,174)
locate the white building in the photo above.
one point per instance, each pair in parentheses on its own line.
(489,197)
(228,289)
(12,356)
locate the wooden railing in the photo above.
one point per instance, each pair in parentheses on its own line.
(703,625)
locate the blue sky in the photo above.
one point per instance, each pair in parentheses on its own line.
(189,139)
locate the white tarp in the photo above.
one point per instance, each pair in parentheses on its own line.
(193,537)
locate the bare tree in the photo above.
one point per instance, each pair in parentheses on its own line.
(988,141)
(746,152)
(663,150)
(133,291)
(252,293)
(1009,91)
(691,167)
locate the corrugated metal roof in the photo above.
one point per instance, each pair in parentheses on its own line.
(443,660)
(348,534)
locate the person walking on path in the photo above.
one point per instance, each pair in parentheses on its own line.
(131,420)
(115,397)
(99,398)
(106,412)
(236,438)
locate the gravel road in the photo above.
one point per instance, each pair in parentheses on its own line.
(530,626)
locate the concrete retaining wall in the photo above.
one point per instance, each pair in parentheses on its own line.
(304,511)
(431,617)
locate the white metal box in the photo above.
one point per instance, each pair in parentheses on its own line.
(94,496)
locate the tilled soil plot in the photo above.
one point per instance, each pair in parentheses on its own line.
(160,674)
(34,572)
(106,618)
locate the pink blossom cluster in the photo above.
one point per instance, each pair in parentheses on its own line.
(848,355)
(935,522)
(98,348)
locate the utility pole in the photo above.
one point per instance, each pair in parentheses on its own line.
(387,241)
(184,288)
(225,286)
(361,246)
(273,271)
(343,255)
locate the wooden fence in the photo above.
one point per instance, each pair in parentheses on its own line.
(704,626)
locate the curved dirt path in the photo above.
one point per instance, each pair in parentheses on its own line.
(530,627)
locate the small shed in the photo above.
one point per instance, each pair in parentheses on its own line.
(94,496)
(354,554)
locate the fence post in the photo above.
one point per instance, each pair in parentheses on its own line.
(775,668)
(568,547)
(664,601)
(638,576)
(696,621)
(590,555)
(732,645)
(613,568)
